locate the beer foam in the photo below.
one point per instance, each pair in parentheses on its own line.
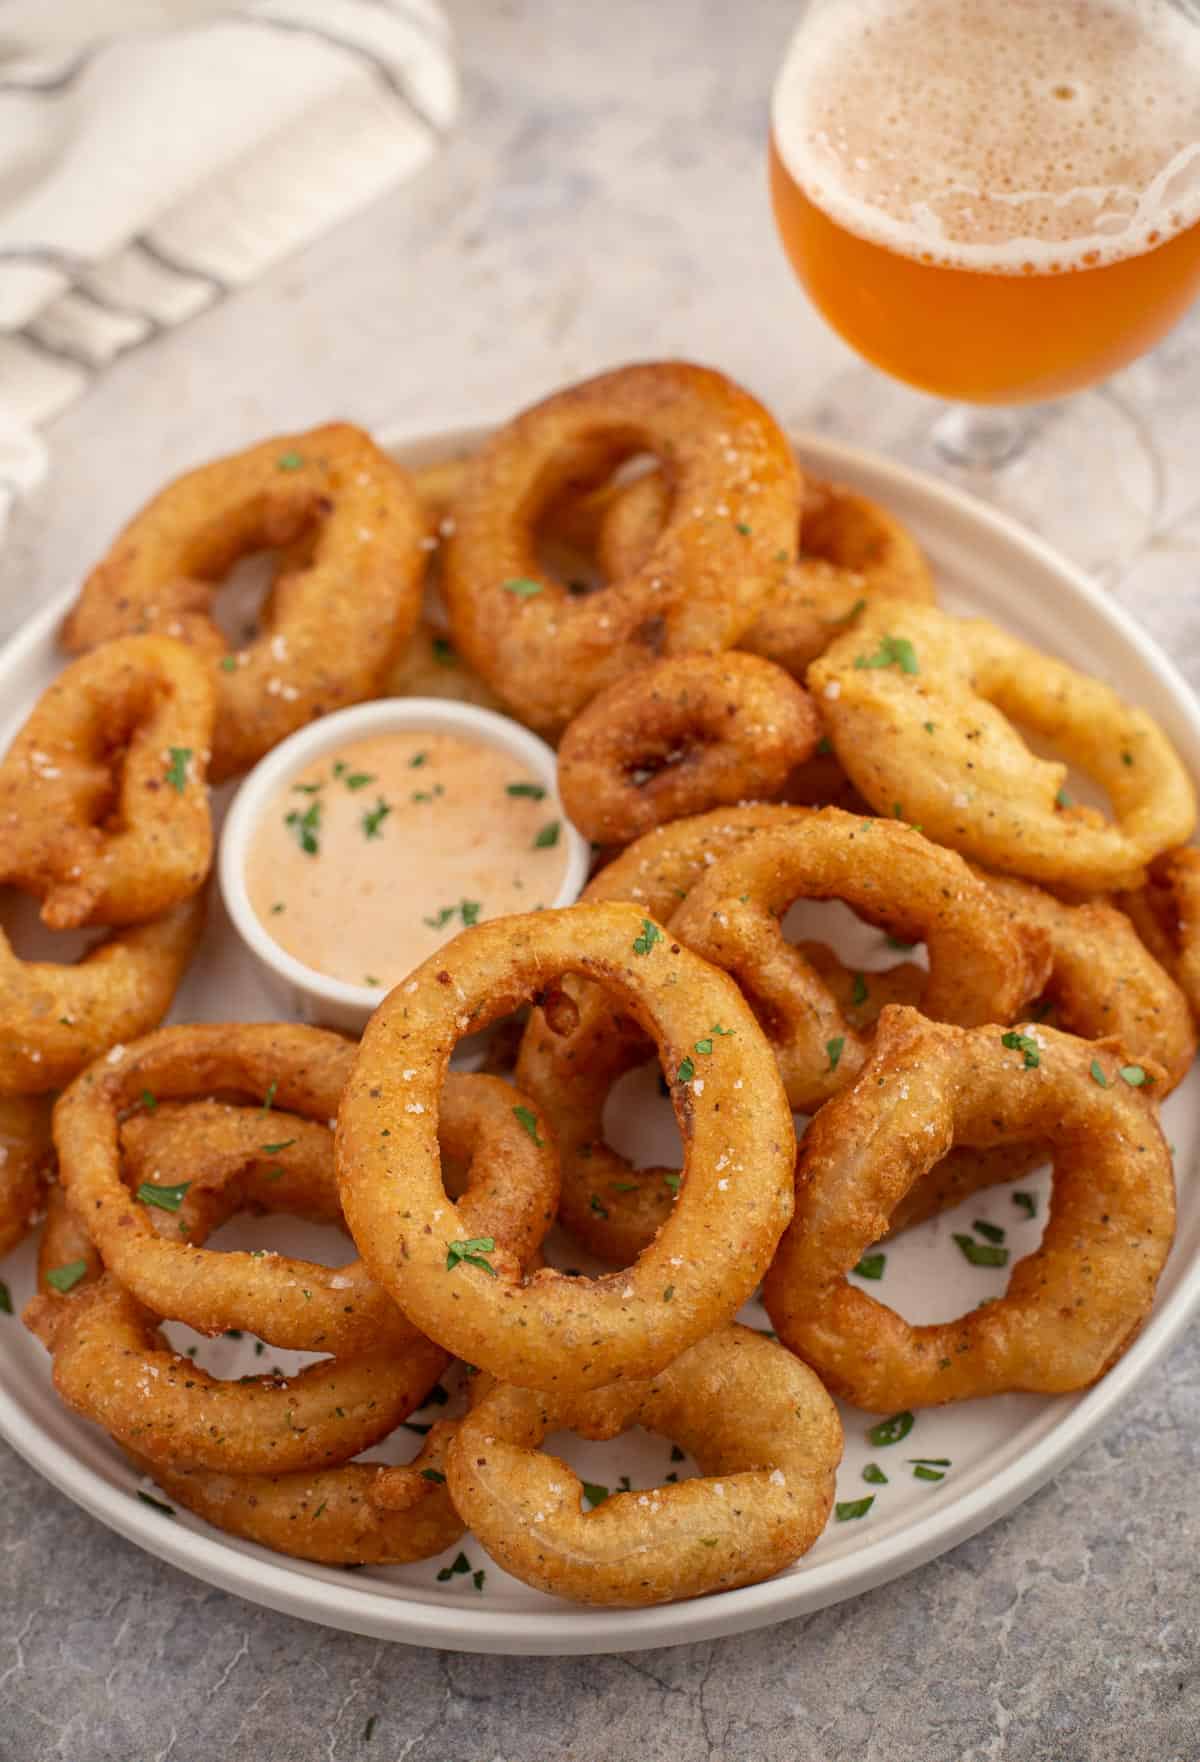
(1013,136)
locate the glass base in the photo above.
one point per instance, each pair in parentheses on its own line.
(1083,474)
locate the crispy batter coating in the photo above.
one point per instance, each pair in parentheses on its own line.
(917,705)
(551,1331)
(1166,913)
(850,549)
(346,596)
(26,1164)
(281,1160)
(680,737)
(54,1019)
(733,501)
(103,803)
(1072,1307)
(981,969)
(767,1440)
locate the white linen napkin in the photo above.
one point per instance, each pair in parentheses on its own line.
(156,153)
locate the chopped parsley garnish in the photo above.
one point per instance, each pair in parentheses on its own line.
(444,652)
(228,663)
(65,1278)
(435,1475)
(890,1431)
(155,1504)
(599,1209)
(668,1293)
(290,461)
(277,908)
(478,1579)
(874,1475)
(1063,799)
(594,1493)
(533,791)
(373,819)
(703,1046)
(1027,1203)
(847,1509)
(834,1049)
(922,1473)
(177,770)
(149,1100)
(650,935)
(899,944)
(274,1149)
(528,1119)
(417,760)
(824,746)
(674,1182)
(742,527)
(858,991)
(931,1461)
(1097,1070)
(522,587)
(469,910)
(547,838)
(358,779)
(686,1071)
(1134,1075)
(928,727)
(308,788)
(893,651)
(6,1302)
(474,1251)
(459,1564)
(989,1232)
(269,1097)
(166,1198)
(307,826)
(372,980)
(1023,1043)
(871,1266)
(981,1253)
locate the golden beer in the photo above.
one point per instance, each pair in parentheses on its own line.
(995,200)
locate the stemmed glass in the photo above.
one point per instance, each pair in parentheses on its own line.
(998,201)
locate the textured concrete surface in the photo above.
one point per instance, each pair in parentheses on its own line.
(604,199)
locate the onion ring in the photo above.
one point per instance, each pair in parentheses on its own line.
(286,1301)
(1072,1307)
(679,737)
(917,706)
(767,1440)
(980,968)
(355,1514)
(1166,915)
(54,1019)
(733,513)
(552,1331)
(103,805)
(850,550)
(26,1163)
(347,595)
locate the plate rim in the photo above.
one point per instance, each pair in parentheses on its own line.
(271,1580)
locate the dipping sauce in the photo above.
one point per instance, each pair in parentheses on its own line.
(379,852)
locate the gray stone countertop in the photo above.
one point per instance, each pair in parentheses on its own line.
(603,199)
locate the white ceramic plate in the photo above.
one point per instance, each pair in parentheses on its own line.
(1000,1450)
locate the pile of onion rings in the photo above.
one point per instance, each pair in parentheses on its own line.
(760,708)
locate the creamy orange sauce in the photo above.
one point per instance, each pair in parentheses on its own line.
(381,851)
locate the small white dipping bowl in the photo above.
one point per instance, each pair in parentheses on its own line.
(303,991)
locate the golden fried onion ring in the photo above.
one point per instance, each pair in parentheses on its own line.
(54,1019)
(980,968)
(1072,1307)
(347,594)
(1166,914)
(765,1434)
(733,499)
(917,706)
(513,1181)
(680,737)
(96,840)
(551,1331)
(850,550)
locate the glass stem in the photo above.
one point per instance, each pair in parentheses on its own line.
(975,437)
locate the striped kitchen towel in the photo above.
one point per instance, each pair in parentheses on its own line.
(156,153)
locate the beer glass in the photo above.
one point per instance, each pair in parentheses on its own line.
(996,201)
